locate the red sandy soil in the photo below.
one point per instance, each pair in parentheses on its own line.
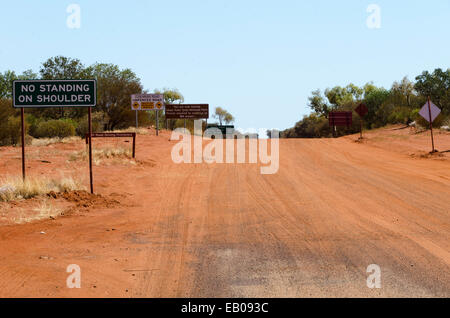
(159,229)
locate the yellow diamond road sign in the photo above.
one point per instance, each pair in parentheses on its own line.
(135,106)
(159,105)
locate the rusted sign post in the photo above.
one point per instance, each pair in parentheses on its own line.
(342,118)
(90,150)
(429,112)
(55,93)
(362,111)
(22,119)
(115,135)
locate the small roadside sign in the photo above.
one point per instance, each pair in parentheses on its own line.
(429,114)
(54,93)
(340,118)
(187,111)
(361,110)
(147,101)
(135,106)
(430,111)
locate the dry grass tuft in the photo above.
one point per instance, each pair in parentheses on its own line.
(44,211)
(139,131)
(42,142)
(14,188)
(102,153)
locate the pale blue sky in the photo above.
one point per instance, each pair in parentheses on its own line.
(258,59)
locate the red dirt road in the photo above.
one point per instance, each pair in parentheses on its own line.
(224,230)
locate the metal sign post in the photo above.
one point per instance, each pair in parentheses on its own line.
(55,93)
(137,125)
(431,124)
(22,115)
(157,122)
(361,110)
(90,150)
(429,112)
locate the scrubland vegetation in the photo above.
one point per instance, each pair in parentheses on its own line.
(398,105)
(113,111)
(14,188)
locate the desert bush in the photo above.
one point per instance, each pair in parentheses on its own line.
(11,131)
(83,124)
(401,115)
(39,142)
(44,211)
(102,153)
(13,188)
(139,131)
(446,123)
(54,128)
(438,122)
(33,123)
(312,126)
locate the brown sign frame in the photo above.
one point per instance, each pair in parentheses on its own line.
(115,135)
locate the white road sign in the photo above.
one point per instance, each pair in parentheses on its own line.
(425,113)
(147,101)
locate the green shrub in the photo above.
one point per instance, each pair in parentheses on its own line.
(312,126)
(83,125)
(10,131)
(54,128)
(438,122)
(34,123)
(401,115)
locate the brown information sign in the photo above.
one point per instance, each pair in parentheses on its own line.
(340,118)
(361,110)
(187,111)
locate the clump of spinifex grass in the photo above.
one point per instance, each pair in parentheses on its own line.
(14,188)
(39,142)
(42,212)
(139,131)
(102,153)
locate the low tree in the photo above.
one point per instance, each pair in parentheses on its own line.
(61,67)
(404,88)
(7,77)
(223,116)
(318,104)
(437,86)
(114,88)
(171,96)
